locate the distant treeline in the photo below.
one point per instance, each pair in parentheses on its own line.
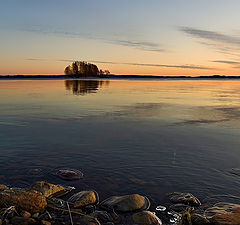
(111,76)
(84,69)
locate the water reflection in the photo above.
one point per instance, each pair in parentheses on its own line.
(83,87)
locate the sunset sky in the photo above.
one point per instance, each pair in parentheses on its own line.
(155,37)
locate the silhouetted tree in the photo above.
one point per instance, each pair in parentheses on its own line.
(84,69)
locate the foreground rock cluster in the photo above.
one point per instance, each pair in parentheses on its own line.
(45,204)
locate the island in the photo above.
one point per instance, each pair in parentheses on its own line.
(80,69)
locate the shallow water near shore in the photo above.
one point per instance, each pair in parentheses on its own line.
(126,136)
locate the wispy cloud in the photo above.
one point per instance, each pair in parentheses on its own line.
(211,35)
(36,59)
(138,44)
(146,64)
(226,62)
(222,43)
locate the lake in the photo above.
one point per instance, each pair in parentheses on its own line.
(127,136)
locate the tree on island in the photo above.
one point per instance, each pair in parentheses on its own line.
(78,69)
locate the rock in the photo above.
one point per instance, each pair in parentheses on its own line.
(25,214)
(84,198)
(199,220)
(30,201)
(146,218)
(87,220)
(102,216)
(2,187)
(46,189)
(22,221)
(35,215)
(0,222)
(126,203)
(223,214)
(185,198)
(186,218)
(69,174)
(179,207)
(44,222)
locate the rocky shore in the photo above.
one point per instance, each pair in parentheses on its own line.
(45,204)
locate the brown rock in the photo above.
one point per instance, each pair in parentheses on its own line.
(2,187)
(199,220)
(84,198)
(30,201)
(22,221)
(44,222)
(25,214)
(146,218)
(224,214)
(87,220)
(184,198)
(126,203)
(46,189)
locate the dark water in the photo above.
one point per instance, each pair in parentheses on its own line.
(147,137)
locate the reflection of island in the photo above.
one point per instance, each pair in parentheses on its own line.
(82,87)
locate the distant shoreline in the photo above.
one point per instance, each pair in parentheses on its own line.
(138,77)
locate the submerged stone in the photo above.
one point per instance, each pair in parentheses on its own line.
(84,198)
(179,207)
(126,203)
(223,213)
(69,174)
(31,201)
(185,198)
(199,220)
(146,218)
(46,189)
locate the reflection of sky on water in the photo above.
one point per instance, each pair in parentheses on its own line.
(151,136)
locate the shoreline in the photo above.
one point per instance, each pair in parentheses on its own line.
(116,77)
(44,203)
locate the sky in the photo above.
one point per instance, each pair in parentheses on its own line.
(153,37)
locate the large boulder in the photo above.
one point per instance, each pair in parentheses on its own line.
(223,213)
(84,198)
(126,203)
(31,201)
(146,218)
(46,189)
(184,198)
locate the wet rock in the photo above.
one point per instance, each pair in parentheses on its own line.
(35,215)
(2,187)
(199,220)
(146,218)
(46,189)
(186,218)
(86,220)
(25,214)
(44,222)
(30,201)
(84,198)
(179,207)
(185,198)
(69,174)
(22,221)
(102,216)
(223,214)
(126,203)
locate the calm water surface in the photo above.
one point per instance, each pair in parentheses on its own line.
(147,137)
